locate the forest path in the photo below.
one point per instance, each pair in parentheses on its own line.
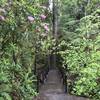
(53,89)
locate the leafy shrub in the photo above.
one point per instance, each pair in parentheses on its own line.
(23,33)
(80,49)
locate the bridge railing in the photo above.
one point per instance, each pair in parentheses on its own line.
(64,78)
(41,75)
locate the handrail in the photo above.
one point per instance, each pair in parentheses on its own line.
(41,75)
(64,77)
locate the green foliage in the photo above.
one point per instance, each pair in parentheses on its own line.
(80,46)
(22,38)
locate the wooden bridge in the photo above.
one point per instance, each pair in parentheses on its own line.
(53,89)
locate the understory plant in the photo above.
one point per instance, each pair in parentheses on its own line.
(24,28)
(80,51)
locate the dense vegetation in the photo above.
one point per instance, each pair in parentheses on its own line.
(24,35)
(26,42)
(80,46)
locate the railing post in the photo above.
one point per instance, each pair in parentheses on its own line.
(66,90)
(37,89)
(66,83)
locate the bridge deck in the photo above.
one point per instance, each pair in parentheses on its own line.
(53,89)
